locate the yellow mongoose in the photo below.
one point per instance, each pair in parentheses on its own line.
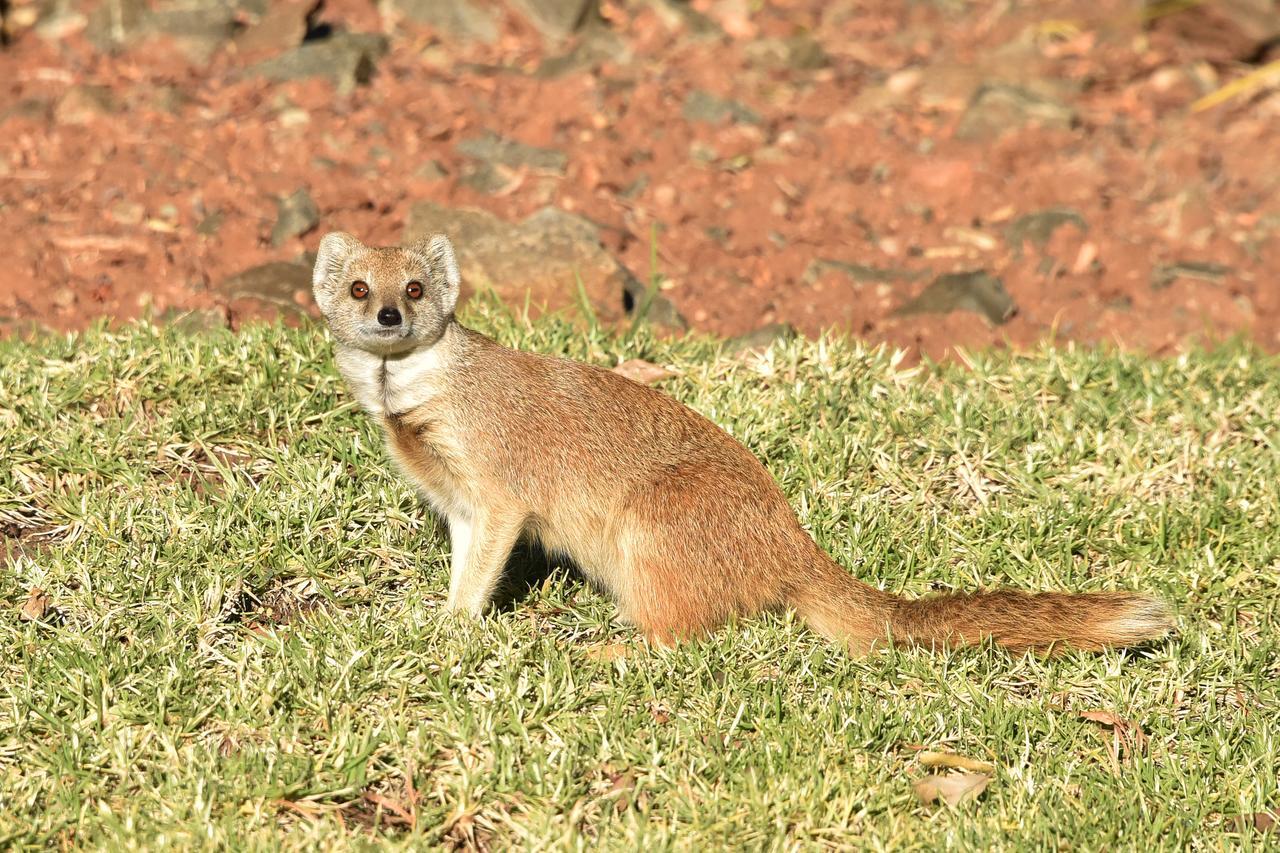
(653,502)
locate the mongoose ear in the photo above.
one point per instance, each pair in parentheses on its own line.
(437,253)
(335,248)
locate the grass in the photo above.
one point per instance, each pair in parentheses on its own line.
(243,644)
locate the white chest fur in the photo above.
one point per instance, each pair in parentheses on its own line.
(395,384)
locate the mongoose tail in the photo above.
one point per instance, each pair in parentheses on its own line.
(842,608)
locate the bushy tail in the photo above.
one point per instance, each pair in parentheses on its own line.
(840,607)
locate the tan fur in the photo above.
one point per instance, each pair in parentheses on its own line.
(656,504)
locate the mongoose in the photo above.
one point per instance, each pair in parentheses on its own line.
(657,505)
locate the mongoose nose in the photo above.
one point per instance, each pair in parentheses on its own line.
(389,316)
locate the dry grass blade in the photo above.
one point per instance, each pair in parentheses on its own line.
(953,789)
(1259,78)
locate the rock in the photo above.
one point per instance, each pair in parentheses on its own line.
(799,53)
(559,18)
(82,104)
(494,149)
(595,45)
(296,215)
(347,59)
(681,14)
(761,338)
(58,19)
(461,19)
(211,223)
(282,28)
(997,107)
(979,292)
(1223,31)
(196,320)
(200,27)
(431,171)
(276,287)
(818,266)
(704,106)
(1165,275)
(1037,228)
(540,260)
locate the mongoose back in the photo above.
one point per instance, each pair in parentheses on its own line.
(657,505)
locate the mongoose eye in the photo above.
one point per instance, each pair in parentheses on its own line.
(359,289)
(413,290)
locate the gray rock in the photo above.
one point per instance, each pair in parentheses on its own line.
(1038,228)
(494,149)
(282,27)
(211,223)
(704,106)
(296,215)
(347,59)
(559,18)
(82,104)
(461,19)
(858,272)
(595,45)
(539,261)
(1166,274)
(196,320)
(681,13)
(996,107)
(979,292)
(200,27)
(280,285)
(761,338)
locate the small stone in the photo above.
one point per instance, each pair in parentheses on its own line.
(761,338)
(346,59)
(491,148)
(297,214)
(1038,228)
(703,106)
(997,107)
(979,292)
(1165,275)
(460,19)
(209,226)
(557,19)
(595,45)
(283,27)
(128,212)
(83,104)
(544,261)
(819,266)
(195,321)
(431,171)
(273,286)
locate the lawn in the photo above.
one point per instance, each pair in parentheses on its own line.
(240,641)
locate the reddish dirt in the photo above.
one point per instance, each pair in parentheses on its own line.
(857,161)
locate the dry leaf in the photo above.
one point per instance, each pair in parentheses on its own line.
(644,372)
(607,652)
(622,786)
(951,759)
(37,604)
(1126,737)
(953,789)
(1261,821)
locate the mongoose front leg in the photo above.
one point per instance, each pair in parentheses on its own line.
(481,546)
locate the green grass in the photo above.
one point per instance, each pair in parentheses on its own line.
(244,645)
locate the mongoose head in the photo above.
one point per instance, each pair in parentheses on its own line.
(386,301)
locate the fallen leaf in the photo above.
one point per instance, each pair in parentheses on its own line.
(1261,821)
(950,759)
(36,605)
(1127,737)
(644,372)
(607,652)
(620,789)
(953,789)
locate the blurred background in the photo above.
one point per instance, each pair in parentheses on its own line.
(931,173)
